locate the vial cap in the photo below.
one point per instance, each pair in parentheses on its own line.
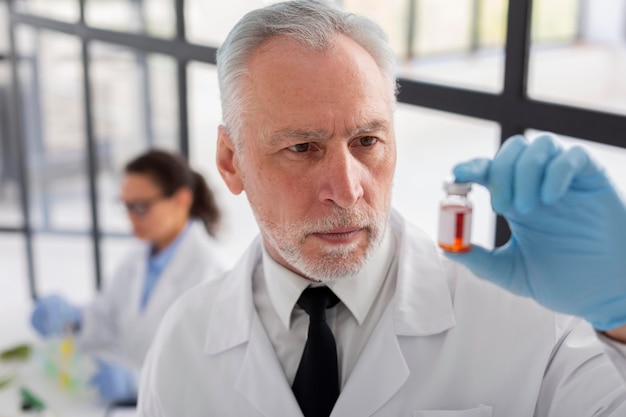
(457,188)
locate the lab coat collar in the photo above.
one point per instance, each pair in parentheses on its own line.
(422,304)
(357,292)
(231,318)
(284,287)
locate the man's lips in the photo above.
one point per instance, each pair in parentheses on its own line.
(343,235)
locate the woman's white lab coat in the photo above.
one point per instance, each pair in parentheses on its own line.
(448,345)
(114,327)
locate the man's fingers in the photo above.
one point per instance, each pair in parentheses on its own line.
(530,172)
(502,173)
(572,166)
(475,170)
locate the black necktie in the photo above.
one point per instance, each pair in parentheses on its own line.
(316,385)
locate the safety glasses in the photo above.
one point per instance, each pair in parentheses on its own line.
(141,208)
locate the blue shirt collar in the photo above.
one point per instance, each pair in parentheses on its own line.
(159,261)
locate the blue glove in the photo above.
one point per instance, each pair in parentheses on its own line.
(53,314)
(114,383)
(568,226)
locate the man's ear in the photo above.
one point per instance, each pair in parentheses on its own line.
(227,163)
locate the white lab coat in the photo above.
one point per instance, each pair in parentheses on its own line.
(115,328)
(447,341)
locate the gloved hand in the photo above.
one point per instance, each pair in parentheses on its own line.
(568,226)
(52,314)
(114,383)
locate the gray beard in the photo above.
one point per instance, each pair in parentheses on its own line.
(337,262)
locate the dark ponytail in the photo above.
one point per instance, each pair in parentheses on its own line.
(172,172)
(204,206)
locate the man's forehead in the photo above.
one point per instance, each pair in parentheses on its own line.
(364,127)
(317,134)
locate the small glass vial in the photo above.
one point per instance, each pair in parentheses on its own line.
(455,217)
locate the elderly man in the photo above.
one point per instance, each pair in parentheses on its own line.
(340,307)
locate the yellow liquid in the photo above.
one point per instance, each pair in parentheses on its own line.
(67,347)
(64,379)
(66,351)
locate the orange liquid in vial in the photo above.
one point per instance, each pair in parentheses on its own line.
(455,228)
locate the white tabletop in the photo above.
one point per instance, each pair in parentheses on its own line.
(60,402)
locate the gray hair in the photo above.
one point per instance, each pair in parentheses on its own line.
(313,23)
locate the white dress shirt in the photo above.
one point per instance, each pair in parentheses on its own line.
(363,297)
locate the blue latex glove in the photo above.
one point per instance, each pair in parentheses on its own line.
(114,383)
(568,226)
(52,315)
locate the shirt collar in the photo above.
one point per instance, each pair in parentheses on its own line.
(160,260)
(356,292)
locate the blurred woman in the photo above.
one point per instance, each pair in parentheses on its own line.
(173,211)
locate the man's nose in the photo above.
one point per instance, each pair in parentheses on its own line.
(341,179)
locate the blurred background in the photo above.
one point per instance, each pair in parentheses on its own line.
(87,84)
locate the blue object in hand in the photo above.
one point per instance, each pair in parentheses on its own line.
(568,227)
(114,383)
(52,315)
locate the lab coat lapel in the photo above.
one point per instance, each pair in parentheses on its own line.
(422,302)
(380,372)
(421,306)
(262,380)
(172,279)
(136,285)
(131,320)
(234,322)
(140,324)
(231,318)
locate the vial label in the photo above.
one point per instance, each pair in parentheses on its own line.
(455,228)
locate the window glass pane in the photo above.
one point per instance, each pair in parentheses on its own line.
(430,143)
(443,26)
(582,60)
(208,24)
(492,15)
(55,9)
(484,72)
(153,17)
(390,15)
(52,95)
(64,266)
(451,42)
(135,107)
(555,20)
(238,224)
(458,43)
(14,292)
(612,158)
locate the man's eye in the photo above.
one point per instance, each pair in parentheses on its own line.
(300,147)
(367,140)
